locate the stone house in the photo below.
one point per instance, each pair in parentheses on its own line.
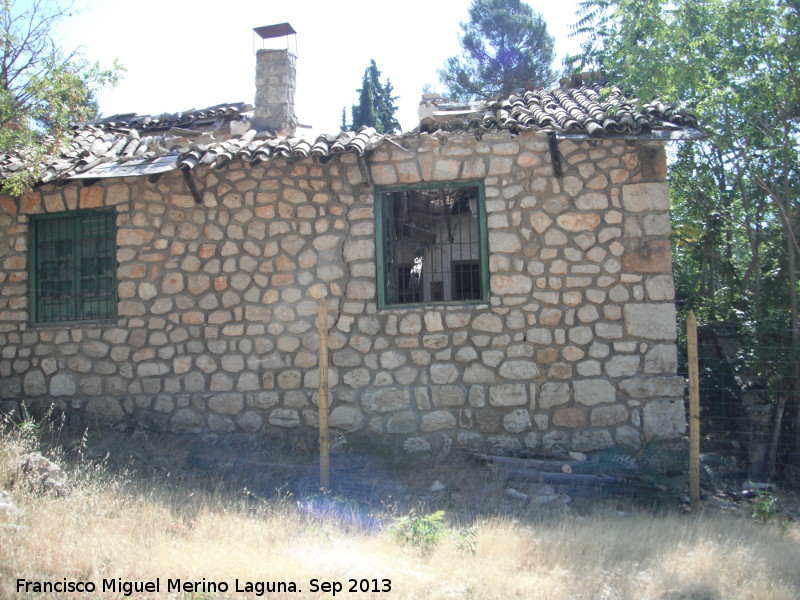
(498,278)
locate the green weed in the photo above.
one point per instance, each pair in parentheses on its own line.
(766,506)
(421,532)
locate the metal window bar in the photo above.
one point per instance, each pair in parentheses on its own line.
(440,227)
(74,272)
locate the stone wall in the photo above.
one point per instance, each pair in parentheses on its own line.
(216,326)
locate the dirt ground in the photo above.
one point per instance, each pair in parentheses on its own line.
(370,478)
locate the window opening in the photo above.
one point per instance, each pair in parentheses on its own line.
(432,245)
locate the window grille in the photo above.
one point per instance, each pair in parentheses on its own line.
(432,245)
(73,266)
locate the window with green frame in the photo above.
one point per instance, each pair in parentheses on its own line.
(73,266)
(431,244)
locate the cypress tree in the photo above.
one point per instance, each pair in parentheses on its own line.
(375,106)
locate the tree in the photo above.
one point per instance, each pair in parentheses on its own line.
(734,63)
(506,47)
(376,106)
(43,88)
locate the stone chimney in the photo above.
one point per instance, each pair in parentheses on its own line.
(275,85)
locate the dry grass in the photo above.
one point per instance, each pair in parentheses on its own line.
(113,527)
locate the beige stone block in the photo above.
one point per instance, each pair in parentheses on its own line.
(488,322)
(575,222)
(653,387)
(517,421)
(250,421)
(592,201)
(664,419)
(572,185)
(442,373)
(518,369)
(661,359)
(437,420)
(383,174)
(511,284)
(572,353)
(385,399)
(555,237)
(622,365)
(348,418)
(640,197)
(361,290)
(550,317)
(134,237)
(660,287)
(553,394)
(448,395)
(296,196)
(446,169)
(500,165)
(433,321)
(478,373)
(508,243)
(508,394)
(589,441)
(580,335)
(590,392)
(282,417)
(435,341)
(226,404)
(651,321)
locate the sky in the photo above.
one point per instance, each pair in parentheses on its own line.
(182,54)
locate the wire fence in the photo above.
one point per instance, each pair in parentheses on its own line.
(749,402)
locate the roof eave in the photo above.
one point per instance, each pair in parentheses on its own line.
(686,133)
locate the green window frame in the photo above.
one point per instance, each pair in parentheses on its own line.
(73,267)
(443,226)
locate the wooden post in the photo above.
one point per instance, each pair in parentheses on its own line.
(694,411)
(324,434)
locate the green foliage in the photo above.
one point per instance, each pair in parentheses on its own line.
(376,106)
(43,88)
(766,506)
(467,540)
(420,532)
(506,47)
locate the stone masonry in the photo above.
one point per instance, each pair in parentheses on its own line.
(216,327)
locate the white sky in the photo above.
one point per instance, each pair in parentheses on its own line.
(183,54)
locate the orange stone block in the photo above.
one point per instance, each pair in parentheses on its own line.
(91,197)
(282,279)
(192,317)
(570,417)
(30,203)
(207,250)
(654,256)
(8,204)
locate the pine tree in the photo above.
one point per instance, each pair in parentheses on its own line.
(506,47)
(375,106)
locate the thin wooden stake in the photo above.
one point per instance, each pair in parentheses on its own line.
(776,437)
(324,433)
(694,412)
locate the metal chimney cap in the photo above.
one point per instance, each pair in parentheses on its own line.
(273,31)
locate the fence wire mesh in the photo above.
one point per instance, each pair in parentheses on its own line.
(749,402)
